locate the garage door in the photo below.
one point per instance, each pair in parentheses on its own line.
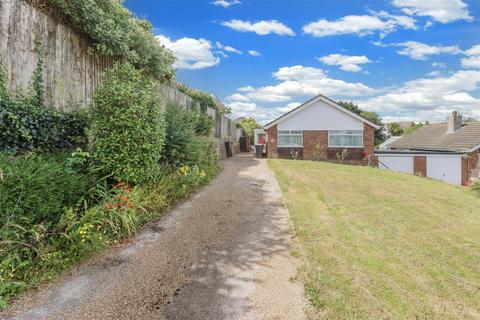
(396,163)
(445,168)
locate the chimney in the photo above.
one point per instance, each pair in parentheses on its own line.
(454,122)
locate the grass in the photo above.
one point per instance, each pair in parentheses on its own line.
(383,245)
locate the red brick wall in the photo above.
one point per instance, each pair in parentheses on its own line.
(313,137)
(469,163)
(420,166)
(310,139)
(272,151)
(368,139)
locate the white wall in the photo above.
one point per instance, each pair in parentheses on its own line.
(320,116)
(399,163)
(445,168)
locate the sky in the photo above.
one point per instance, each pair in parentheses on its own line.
(404,59)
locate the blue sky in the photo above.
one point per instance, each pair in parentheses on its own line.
(404,59)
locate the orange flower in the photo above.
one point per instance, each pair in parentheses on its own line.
(110,206)
(131,205)
(120,184)
(127,190)
(124,199)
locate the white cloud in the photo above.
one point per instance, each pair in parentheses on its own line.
(238,97)
(421,51)
(471,62)
(227,48)
(346,63)
(299,73)
(260,27)
(429,98)
(473,51)
(380,22)
(242,106)
(474,60)
(191,53)
(254,53)
(300,81)
(443,11)
(225,3)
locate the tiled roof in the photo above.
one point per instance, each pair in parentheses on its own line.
(435,137)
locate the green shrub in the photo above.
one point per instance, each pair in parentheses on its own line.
(118,33)
(127,125)
(180,130)
(35,189)
(25,127)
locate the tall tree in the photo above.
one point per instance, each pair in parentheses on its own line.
(394,129)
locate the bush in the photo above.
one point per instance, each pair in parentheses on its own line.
(127,126)
(118,33)
(24,127)
(35,189)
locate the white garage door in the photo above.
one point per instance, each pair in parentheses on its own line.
(445,168)
(399,163)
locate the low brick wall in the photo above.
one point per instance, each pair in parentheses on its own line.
(469,165)
(420,166)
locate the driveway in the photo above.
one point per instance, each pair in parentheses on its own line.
(223,254)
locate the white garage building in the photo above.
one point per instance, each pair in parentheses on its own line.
(446,151)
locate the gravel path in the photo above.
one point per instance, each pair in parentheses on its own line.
(223,254)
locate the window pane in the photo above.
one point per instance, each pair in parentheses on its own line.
(345,140)
(283,132)
(296,132)
(282,140)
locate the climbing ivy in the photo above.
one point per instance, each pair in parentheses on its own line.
(27,124)
(117,32)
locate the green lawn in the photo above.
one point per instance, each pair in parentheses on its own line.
(383,245)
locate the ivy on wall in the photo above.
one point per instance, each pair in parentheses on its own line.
(205,100)
(27,124)
(117,32)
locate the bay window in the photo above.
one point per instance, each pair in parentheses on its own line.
(345,138)
(290,138)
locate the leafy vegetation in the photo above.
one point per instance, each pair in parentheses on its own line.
(180,148)
(398,247)
(369,115)
(118,33)
(127,126)
(205,100)
(394,129)
(414,127)
(56,208)
(248,125)
(27,124)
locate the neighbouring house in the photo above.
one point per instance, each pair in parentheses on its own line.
(445,151)
(321,128)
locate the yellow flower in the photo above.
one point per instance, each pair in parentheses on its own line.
(202,173)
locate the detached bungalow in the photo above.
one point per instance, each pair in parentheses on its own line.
(320,126)
(445,151)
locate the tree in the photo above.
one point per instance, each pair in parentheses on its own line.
(249,124)
(369,115)
(414,127)
(394,129)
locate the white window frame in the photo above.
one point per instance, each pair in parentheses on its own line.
(281,133)
(345,133)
